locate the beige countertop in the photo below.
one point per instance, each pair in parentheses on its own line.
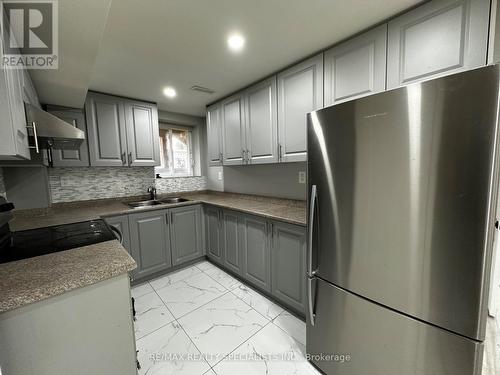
(31,280)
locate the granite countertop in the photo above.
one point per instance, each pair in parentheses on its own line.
(291,211)
(31,280)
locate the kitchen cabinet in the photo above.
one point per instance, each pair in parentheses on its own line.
(436,39)
(121,223)
(214,135)
(261,120)
(121,132)
(356,67)
(233,130)
(150,242)
(71,158)
(186,233)
(254,241)
(29,91)
(300,91)
(288,264)
(213,235)
(231,241)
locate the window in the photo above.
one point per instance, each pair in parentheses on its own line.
(175,152)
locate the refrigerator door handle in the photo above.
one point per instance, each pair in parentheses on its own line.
(310,272)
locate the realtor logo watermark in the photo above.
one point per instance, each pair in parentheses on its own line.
(30,34)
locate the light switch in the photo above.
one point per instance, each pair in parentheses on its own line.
(302,177)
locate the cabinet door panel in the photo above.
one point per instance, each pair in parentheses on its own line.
(214,234)
(121,223)
(300,91)
(436,39)
(255,246)
(106,130)
(231,243)
(262,122)
(72,158)
(357,67)
(150,242)
(214,135)
(186,234)
(288,260)
(142,134)
(233,130)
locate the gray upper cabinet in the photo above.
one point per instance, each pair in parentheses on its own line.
(106,129)
(288,262)
(150,242)
(186,233)
(142,134)
(300,91)
(356,67)
(255,248)
(436,39)
(72,158)
(233,130)
(121,223)
(213,235)
(262,122)
(214,135)
(231,241)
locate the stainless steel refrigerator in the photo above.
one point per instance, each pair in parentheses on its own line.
(402,187)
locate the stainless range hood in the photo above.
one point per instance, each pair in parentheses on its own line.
(50,132)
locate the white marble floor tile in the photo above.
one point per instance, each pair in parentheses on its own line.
(169,351)
(205,265)
(141,289)
(186,295)
(173,277)
(292,325)
(220,326)
(151,314)
(260,303)
(223,278)
(271,352)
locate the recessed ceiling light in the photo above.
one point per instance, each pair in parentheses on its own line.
(236,42)
(169,92)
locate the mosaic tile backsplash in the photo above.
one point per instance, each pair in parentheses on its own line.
(77,184)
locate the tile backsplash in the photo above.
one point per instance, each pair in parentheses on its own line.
(76,184)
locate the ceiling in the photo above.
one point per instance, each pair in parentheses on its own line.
(149,44)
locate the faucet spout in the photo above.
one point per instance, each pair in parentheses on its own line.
(152,192)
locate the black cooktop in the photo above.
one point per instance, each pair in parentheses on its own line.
(34,242)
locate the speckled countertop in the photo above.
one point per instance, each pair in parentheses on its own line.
(31,280)
(290,211)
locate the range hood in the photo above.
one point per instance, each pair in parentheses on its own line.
(51,132)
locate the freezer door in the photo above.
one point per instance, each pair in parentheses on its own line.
(363,338)
(403,197)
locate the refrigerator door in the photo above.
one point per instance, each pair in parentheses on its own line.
(403,211)
(364,338)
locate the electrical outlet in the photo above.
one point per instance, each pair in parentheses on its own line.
(302,177)
(219,176)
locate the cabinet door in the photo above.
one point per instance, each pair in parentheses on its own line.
(121,223)
(213,227)
(30,93)
(357,67)
(106,130)
(186,234)
(233,130)
(230,241)
(150,242)
(72,158)
(214,135)
(436,39)
(288,264)
(300,91)
(254,241)
(143,138)
(262,122)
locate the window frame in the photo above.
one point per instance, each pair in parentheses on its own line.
(170,173)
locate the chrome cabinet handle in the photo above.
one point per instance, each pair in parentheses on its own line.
(248,156)
(310,272)
(130,158)
(220,157)
(33,126)
(124,158)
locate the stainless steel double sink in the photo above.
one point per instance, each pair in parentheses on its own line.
(156,202)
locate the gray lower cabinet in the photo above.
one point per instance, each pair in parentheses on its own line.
(288,264)
(150,242)
(231,241)
(213,235)
(254,240)
(121,223)
(186,233)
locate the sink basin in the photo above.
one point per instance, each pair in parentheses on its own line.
(173,200)
(156,202)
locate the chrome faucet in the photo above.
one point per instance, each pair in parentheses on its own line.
(152,192)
